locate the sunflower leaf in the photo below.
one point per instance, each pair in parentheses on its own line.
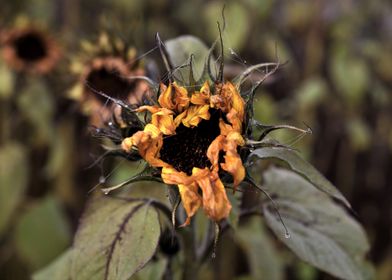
(302,167)
(59,269)
(321,232)
(115,239)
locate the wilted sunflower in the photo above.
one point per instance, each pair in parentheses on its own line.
(194,137)
(106,66)
(29,49)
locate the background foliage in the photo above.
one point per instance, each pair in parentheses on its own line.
(337,80)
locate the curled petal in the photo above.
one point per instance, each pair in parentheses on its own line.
(164,122)
(202,97)
(165,99)
(149,142)
(215,202)
(236,101)
(213,151)
(233,165)
(173,177)
(191,200)
(181,98)
(151,109)
(174,97)
(234,118)
(179,118)
(195,114)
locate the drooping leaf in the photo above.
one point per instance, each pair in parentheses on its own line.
(322,233)
(302,167)
(13,180)
(116,238)
(42,233)
(264,260)
(180,50)
(59,269)
(154,270)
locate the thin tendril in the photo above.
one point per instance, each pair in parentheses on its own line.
(274,204)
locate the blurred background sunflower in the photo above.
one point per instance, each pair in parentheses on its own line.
(55,54)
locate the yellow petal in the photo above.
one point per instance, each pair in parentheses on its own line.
(195,114)
(152,130)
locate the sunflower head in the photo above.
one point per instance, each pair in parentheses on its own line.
(106,66)
(193,135)
(29,49)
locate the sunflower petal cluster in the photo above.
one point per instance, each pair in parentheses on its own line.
(178,113)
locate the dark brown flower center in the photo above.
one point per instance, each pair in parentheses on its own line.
(110,82)
(188,147)
(30,47)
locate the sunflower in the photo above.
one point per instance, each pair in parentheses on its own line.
(194,137)
(106,66)
(29,49)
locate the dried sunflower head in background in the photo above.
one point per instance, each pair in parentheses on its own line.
(29,49)
(107,66)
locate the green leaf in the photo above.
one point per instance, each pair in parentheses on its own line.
(180,50)
(42,233)
(302,167)
(154,270)
(59,269)
(321,232)
(253,239)
(13,180)
(115,239)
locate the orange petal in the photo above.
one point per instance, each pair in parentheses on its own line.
(181,98)
(179,118)
(233,163)
(164,122)
(165,98)
(202,97)
(151,109)
(174,97)
(173,177)
(191,200)
(215,202)
(213,151)
(237,103)
(149,142)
